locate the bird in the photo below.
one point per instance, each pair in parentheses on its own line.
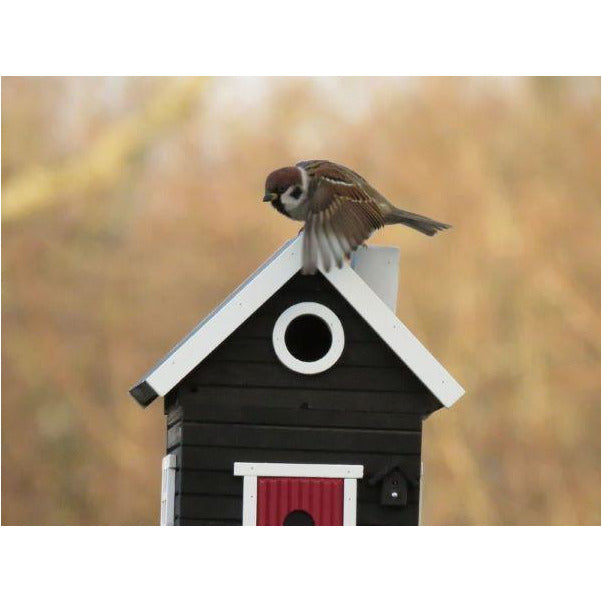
(341,210)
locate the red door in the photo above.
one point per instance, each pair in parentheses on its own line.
(299,501)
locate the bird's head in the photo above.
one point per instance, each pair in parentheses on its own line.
(286,188)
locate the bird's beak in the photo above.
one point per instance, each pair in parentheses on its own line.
(269,197)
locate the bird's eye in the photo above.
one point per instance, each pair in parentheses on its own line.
(296,192)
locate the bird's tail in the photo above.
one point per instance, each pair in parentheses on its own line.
(423,224)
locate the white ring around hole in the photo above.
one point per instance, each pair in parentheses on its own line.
(336,331)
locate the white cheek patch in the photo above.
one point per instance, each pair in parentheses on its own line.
(295,208)
(292,204)
(289,201)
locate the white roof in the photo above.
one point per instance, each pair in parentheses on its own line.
(257,289)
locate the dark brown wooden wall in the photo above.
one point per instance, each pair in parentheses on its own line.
(242,405)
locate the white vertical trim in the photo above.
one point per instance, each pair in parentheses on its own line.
(420,496)
(168,490)
(249,501)
(349,502)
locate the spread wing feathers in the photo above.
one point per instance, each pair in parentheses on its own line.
(336,227)
(342,213)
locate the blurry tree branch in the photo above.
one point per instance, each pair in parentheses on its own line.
(102,164)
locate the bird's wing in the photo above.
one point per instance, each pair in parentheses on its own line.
(342,213)
(334,172)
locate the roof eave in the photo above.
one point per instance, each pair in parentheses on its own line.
(257,289)
(143,393)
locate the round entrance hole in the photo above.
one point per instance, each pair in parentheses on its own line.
(308,338)
(298,518)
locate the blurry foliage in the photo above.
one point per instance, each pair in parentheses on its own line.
(131,243)
(102,163)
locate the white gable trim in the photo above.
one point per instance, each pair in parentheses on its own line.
(258,288)
(396,334)
(226,318)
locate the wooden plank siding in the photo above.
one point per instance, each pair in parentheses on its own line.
(255,350)
(223,458)
(339,378)
(242,405)
(236,413)
(229,508)
(389,402)
(192,434)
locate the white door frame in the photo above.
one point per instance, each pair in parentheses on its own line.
(350,473)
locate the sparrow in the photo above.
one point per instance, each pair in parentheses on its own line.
(340,210)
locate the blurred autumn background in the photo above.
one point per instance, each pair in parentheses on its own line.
(131,207)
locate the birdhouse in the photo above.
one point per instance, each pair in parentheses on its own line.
(299,401)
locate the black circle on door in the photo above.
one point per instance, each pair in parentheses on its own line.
(298,518)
